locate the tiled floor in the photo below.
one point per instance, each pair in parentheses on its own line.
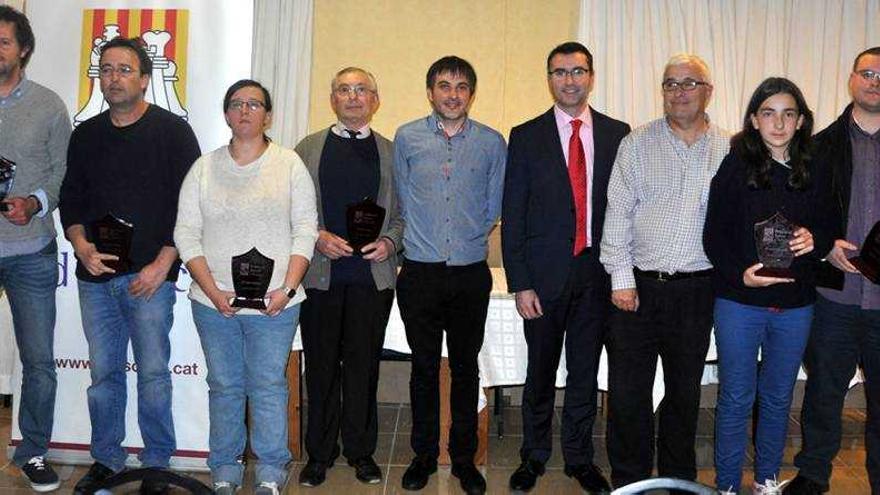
(393,455)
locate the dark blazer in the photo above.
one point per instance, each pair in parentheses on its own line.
(834,151)
(538,215)
(384,273)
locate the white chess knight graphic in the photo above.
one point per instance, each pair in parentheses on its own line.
(161,90)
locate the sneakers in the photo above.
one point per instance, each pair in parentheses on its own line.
(769,487)
(266,488)
(41,475)
(225,488)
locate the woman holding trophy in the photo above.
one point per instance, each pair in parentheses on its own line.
(246,229)
(766,227)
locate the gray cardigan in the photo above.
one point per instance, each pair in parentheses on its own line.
(384,273)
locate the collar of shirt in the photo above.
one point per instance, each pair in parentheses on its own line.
(16,93)
(436,125)
(857,129)
(563,120)
(339,129)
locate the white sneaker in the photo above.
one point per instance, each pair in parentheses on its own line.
(769,487)
(225,488)
(267,488)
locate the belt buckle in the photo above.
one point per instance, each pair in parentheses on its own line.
(662,276)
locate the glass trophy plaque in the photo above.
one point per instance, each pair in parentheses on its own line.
(363,221)
(112,235)
(868,260)
(251,273)
(771,241)
(7,178)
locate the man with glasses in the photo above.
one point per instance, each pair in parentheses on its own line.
(36,129)
(660,277)
(128,162)
(350,288)
(554,204)
(846,324)
(450,174)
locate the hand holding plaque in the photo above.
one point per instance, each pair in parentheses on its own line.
(868,260)
(364,223)
(112,235)
(771,241)
(7,178)
(251,274)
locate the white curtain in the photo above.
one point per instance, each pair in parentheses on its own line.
(811,42)
(282,61)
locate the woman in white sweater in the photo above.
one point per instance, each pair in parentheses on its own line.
(248,194)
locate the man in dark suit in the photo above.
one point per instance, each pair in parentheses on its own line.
(558,167)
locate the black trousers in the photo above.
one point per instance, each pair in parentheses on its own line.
(673,321)
(343,329)
(841,338)
(434,297)
(578,318)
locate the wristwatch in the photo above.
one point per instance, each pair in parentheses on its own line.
(289,291)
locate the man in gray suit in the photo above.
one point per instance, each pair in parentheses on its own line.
(350,288)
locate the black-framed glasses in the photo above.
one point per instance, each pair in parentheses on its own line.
(869,75)
(671,85)
(252,105)
(575,73)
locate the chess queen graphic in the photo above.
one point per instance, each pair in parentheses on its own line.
(165,34)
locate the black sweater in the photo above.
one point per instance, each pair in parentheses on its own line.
(729,238)
(133,172)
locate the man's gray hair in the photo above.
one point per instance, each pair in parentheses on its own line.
(690,59)
(348,70)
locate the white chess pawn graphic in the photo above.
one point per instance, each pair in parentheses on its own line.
(156,41)
(96,103)
(174,105)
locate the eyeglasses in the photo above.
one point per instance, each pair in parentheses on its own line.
(345,91)
(575,73)
(107,71)
(869,75)
(671,86)
(252,105)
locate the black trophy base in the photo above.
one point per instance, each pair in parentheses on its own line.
(868,270)
(243,302)
(769,271)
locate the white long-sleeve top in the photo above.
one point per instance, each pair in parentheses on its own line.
(226,209)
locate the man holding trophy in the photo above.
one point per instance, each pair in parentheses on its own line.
(33,142)
(118,207)
(350,282)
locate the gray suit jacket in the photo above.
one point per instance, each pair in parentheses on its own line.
(384,273)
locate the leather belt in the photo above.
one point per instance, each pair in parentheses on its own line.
(668,277)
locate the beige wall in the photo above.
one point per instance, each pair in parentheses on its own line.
(507,42)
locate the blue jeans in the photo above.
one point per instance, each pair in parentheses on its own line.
(781,335)
(30,281)
(246,356)
(111,317)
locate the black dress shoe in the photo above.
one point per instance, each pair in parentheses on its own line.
(804,486)
(366,470)
(590,478)
(526,475)
(416,475)
(314,473)
(472,482)
(96,474)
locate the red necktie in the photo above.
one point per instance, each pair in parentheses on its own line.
(577,173)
